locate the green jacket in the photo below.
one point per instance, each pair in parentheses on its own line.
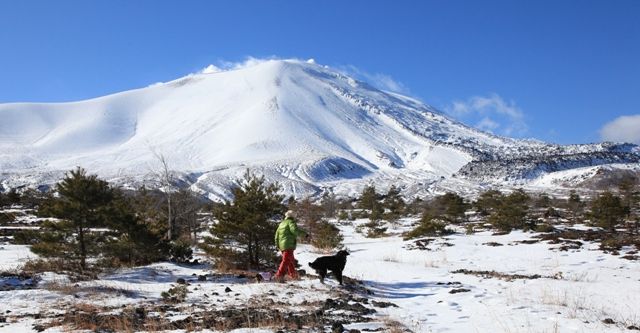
(287,233)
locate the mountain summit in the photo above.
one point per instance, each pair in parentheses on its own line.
(299,123)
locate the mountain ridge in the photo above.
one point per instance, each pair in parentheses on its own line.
(301,124)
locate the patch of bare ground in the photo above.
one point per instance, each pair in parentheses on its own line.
(88,291)
(420,244)
(343,306)
(269,314)
(423,244)
(527,241)
(610,242)
(505,276)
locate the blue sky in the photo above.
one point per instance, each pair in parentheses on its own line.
(559,71)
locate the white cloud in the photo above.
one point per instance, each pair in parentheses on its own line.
(487,124)
(490,113)
(622,129)
(211,69)
(458,109)
(223,65)
(388,83)
(378,80)
(155,84)
(248,62)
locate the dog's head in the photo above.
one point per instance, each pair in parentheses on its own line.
(342,253)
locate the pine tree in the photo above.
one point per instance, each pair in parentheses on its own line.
(575,205)
(511,212)
(311,217)
(82,204)
(608,210)
(185,214)
(543,201)
(13,196)
(326,236)
(629,190)
(245,228)
(4,201)
(377,212)
(149,208)
(307,212)
(394,202)
(428,226)
(415,206)
(368,198)
(329,204)
(488,201)
(131,241)
(449,206)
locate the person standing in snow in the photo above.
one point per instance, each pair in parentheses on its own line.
(286,241)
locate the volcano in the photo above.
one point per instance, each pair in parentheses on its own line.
(308,127)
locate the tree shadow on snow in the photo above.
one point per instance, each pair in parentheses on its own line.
(403,289)
(146,275)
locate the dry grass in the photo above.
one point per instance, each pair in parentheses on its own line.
(224,265)
(89,317)
(505,276)
(61,287)
(431,263)
(391,258)
(37,266)
(394,326)
(580,277)
(437,262)
(91,292)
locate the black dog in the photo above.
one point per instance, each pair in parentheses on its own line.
(334,263)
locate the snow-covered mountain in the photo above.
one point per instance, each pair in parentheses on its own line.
(299,123)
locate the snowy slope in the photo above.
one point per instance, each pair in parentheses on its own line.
(299,123)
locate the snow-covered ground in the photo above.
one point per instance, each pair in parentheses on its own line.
(525,286)
(14,256)
(584,286)
(576,177)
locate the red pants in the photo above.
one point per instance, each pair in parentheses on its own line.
(287,265)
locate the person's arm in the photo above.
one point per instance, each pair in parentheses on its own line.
(293,227)
(277,240)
